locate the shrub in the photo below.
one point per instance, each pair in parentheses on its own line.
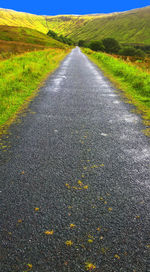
(52,34)
(111,45)
(60,38)
(81,43)
(96,46)
(140,53)
(127,51)
(131,51)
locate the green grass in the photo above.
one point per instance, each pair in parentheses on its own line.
(20,76)
(134,82)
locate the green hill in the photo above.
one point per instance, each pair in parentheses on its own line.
(127,27)
(131,27)
(22,19)
(27,35)
(17,40)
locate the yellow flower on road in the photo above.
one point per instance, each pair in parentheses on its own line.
(90,241)
(89,266)
(117,256)
(80,182)
(29,265)
(72,226)
(69,243)
(49,232)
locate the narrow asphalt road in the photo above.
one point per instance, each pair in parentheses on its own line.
(74,179)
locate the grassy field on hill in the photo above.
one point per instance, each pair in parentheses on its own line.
(14,18)
(16,40)
(27,35)
(21,75)
(126,27)
(134,82)
(9,49)
(131,27)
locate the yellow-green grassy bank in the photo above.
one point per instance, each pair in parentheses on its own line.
(20,78)
(134,83)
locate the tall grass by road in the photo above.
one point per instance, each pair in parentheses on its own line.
(20,76)
(134,82)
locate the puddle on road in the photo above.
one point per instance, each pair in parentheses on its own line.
(130,118)
(104,134)
(116,102)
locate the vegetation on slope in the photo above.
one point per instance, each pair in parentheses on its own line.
(60,38)
(16,40)
(111,46)
(61,24)
(27,35)
(134,82)
(67,24)
(130,27)
(126,27)
(9,49)
(14,18)
(21,75)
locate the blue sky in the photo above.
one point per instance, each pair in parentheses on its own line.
(52,7)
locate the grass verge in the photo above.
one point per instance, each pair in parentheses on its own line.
(133,83)
(20,77)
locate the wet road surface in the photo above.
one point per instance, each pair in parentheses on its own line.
(74,179)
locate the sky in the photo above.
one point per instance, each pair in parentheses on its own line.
(54,7)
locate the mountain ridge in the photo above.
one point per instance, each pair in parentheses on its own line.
(127,26)
(88,14)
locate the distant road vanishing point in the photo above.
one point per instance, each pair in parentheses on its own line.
(75,183)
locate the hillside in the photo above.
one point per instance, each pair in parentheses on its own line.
(16,40)
(129,27)
(132,26)
(27,35)
(14,18)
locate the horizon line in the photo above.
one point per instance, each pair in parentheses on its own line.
(103,13)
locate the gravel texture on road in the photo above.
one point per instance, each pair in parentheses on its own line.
(75,180)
